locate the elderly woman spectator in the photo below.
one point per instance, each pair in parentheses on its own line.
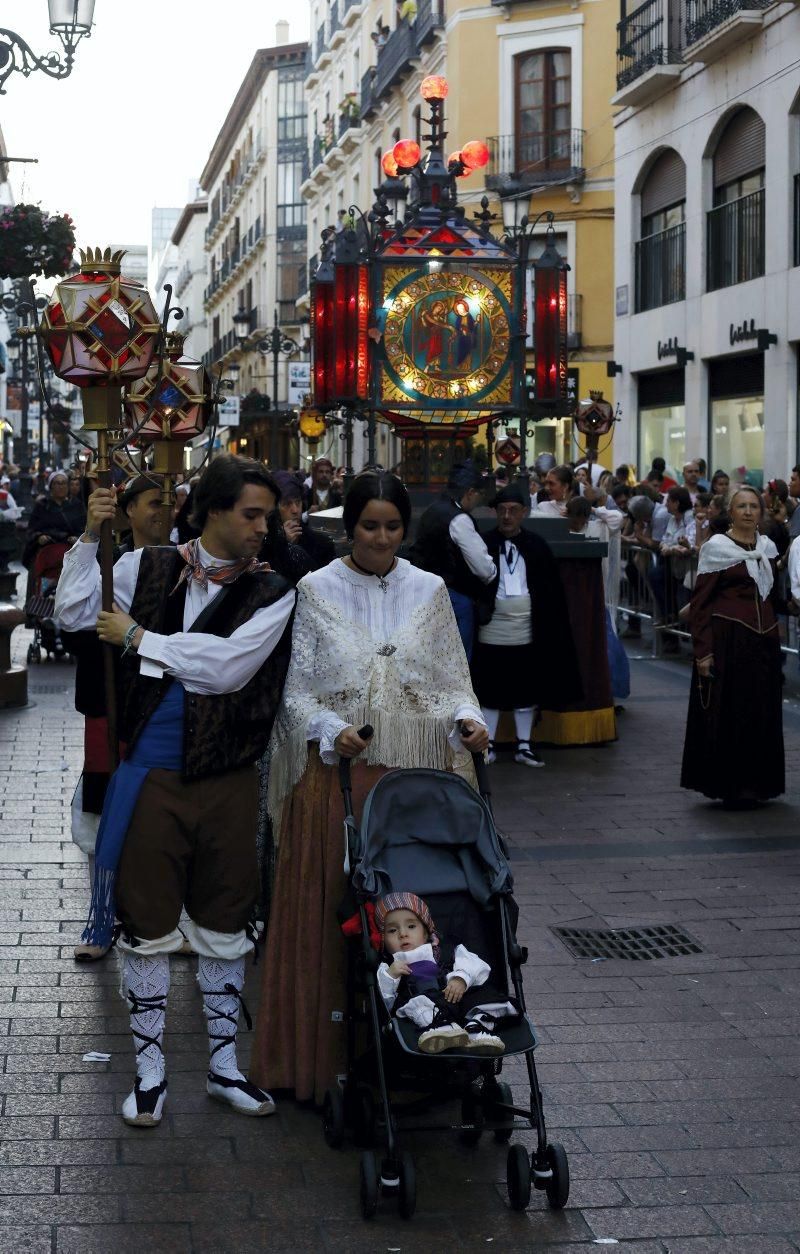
(734,731)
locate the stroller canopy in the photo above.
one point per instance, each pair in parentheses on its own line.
(429,832)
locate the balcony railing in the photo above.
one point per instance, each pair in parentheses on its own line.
(703,16)
(369,100)
(319,43)
(661,268)
(736,241)
(318,150)
(529,160)
(796,254)
(647,37)
(430,18)
(313,262)
(394,59)
(336,21)
(348,118)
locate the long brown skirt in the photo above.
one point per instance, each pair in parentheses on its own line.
(297,1044)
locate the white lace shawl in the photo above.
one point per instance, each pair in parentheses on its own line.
(393,659)
(721,552)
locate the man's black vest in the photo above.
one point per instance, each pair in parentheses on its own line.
(220,733)
(434,550)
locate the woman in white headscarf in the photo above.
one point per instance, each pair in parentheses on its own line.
(734,732)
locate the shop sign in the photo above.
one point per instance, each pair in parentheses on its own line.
(668,348)
(228,414)
(745,331)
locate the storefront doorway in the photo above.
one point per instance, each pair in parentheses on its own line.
(736,413)
(662,421)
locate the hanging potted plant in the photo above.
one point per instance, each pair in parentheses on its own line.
(34,242)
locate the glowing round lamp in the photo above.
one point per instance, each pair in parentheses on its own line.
(100,329)
(389,165)
(312,424)
(475,154)
(434,87)
(173,405)
(406,153)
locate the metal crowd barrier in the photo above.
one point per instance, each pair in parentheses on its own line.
(655,588)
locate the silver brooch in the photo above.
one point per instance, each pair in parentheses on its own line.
(386,650)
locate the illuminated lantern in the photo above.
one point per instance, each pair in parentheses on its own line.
(434,87)
(474,154)
(100,329)
(389,165)
(550,328)
(351,313)
(406,153)
(172,404)
(323,348)
(312,425)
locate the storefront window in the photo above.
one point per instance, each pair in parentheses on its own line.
(737,438)
(662,433)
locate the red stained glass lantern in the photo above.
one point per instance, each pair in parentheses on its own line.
(550,327)
(406,153)
(389,165)
(434,87)
(351,310)
(172,405)
(475,154)
(323,346)
(100,328)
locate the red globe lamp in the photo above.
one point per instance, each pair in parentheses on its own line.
(434,87)
(389,165)
(406,153)
(475,154)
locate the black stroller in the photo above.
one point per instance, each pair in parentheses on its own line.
(429,832)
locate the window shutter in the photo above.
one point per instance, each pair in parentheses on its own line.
(665,184)
(741,149)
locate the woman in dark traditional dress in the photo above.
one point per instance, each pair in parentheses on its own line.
(734,732)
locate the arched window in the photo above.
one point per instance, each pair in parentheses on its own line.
(661,249)
(543,109)
(736,222)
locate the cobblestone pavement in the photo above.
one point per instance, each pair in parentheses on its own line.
(672,1083)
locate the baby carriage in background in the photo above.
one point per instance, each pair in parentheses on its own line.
(40,602)
(428,832)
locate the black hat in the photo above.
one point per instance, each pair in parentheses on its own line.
(135,487)
(513,494)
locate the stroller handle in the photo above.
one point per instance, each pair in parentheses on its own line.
(365,732)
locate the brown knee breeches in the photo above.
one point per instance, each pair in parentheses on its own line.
(191,844)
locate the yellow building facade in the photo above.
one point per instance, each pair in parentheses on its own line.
(533,80)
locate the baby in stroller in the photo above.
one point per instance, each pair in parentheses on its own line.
(441,987)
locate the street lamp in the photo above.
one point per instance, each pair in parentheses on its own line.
(70,20)
(273,345)
(241,326)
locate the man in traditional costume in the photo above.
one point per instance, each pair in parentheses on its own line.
(205,650)
(448,544)
(525,656)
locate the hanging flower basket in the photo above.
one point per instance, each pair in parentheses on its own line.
(34,242)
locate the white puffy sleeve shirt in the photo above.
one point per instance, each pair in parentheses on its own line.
(203,663)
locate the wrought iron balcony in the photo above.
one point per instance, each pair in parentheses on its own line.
(430,19)
(647,38)
(395,59)
(348,118)
(369,100)
(703,17)
(319,43)
(661,268)
(313,262)
(736,241)
(335,20)
(531,160)
(317,152)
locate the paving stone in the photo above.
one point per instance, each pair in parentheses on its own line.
(656,1221)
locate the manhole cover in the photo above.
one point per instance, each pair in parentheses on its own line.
(640,943)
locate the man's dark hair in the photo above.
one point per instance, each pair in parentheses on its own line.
(373,485)
(578,507)
(702,465)
(703,499)
(464,476)
(657,466)
(223,483)
(621,489)
(682,497)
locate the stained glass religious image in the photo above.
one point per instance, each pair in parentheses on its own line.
(446,337)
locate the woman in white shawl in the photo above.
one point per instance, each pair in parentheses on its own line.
(374,642)
(734,731)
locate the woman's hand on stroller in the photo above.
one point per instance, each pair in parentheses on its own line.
(348,744)
(455,989)
(474,736)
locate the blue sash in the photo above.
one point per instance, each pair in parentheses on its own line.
(159,746)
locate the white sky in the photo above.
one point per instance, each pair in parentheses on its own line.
(136,120)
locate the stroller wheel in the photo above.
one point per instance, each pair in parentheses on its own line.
(333,1118)
(407,1196)
(34,653)
(502,1094)
(471,1112)
(369,1184)
(363,1117)
(518,1177)
(557,1188)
